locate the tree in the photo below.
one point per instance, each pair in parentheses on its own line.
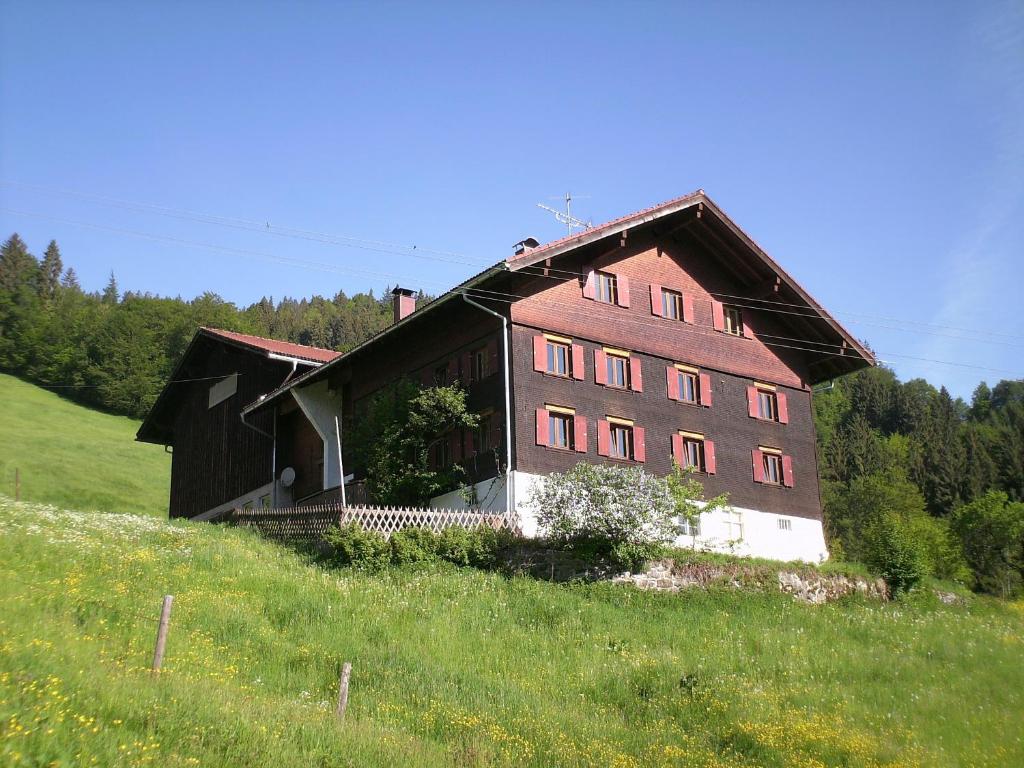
(18,268)
(110,293)
(992,531)
(403,426)
(50,272)
(70,280)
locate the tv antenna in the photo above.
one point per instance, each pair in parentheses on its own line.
(570,221)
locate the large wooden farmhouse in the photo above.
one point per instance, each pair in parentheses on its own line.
(664,336)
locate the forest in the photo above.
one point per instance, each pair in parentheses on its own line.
(902,464)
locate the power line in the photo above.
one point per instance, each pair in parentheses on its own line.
(484,293)
(452,257)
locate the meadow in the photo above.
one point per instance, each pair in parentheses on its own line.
(77,457)
(464,668)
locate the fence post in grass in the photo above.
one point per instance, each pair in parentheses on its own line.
(161,633)
(346,672)
(17,484)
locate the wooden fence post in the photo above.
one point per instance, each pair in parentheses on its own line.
(17,484)
(346,672)
(161,633)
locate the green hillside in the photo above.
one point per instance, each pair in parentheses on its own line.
(462,668)
(76,457)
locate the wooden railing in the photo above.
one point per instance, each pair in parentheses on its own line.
(309,524)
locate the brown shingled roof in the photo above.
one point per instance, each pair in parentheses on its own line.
(286,348)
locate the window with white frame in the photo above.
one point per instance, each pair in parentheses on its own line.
(734,525)
(607,288)
(785,524)
(688,527)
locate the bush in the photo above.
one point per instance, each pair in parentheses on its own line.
(620,515)
(895,554)
(351,545)
(476,547)
(413,545)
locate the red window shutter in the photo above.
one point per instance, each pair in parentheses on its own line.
(758,459)
(467,443)
(636,375)
(656,308)
(787,471)
(492,357)
(677,449)
(604,438)
(622,283)
(578,368)
(710,465)
(705,389)
(639,444)
(687,309)
(600,366)
(540,353)
(589,287)
(579,424)
(673,382)
(542,427)
(717,315)
(752,402)
(780,398)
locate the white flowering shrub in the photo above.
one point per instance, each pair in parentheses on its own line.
(618,512)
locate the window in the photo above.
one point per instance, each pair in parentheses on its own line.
(688,527)
(558,357)
(671,304)
(478,364)
(734,525)
(689,387)
(441,375)
(772,468)
(621,445)
(733,320)
(691,449)
(606,288)
(482,434)
(441,452)
(785,524)
(617,369)
(693,453)
(560,430)
(767,405)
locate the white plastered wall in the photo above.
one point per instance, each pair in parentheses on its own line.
(799,538)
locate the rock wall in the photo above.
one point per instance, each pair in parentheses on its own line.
(807,585)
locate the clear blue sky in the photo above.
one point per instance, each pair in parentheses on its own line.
(876,150)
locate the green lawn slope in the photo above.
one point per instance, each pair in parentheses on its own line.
(76,457)
(463,668)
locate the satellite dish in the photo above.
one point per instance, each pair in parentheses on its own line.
(287,477)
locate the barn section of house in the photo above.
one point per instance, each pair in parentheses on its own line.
(666,336)
(218,461)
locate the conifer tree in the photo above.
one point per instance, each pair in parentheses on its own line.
(70,280)
(50,271)
(110,293)
(18,267)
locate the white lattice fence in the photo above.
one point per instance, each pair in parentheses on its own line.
(309,524)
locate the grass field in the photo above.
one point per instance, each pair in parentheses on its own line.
(76,457)
(464,668)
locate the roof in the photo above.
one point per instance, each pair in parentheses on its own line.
(697,201)
(273,346)
(154,428)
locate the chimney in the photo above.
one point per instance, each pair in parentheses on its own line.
(404,302)
(525,246)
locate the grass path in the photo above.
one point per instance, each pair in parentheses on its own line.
(463,668)
(76,457)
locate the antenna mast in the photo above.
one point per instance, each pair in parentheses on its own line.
(567,218)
